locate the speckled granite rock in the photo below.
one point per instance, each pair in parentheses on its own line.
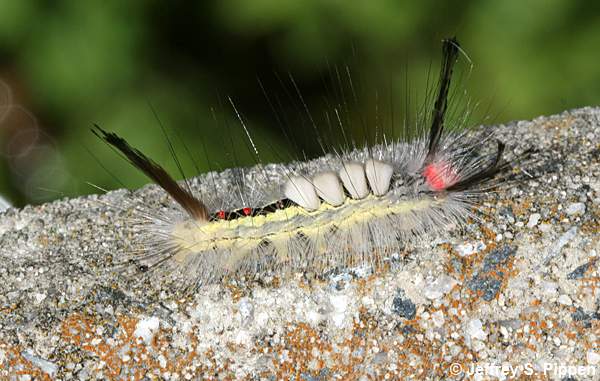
(518,292)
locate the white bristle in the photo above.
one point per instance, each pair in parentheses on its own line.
(329,188)
(301,191)
(379,175)
(4,204)
(354,180)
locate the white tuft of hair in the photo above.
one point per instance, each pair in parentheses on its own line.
(300,190)
(329,188)
(353,177)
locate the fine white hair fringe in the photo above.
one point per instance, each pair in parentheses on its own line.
(347,208)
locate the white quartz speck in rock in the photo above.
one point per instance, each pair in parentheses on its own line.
(262,319)
(565,300)
(575,208)
(533,220)
(246,309)
(467,249)
(39,297)
(162,361)
(556,248)
(46,366)
(549,288)
(438,318)
(439,287)
(146,328)
(593,357)
(556,341)
(475,330)
(545,228)
(243,337)
(478,346)
(314,317)
(340,305)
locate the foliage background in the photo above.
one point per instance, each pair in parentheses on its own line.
(67,64)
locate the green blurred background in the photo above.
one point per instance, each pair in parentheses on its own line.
(65,65)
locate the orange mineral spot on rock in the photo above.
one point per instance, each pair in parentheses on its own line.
(125,354)
(17,365)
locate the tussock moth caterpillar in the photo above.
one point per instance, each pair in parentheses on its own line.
(340,210)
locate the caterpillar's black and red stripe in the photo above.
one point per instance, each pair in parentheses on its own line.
(340,210)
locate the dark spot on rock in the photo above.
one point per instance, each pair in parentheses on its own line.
(457,265)
(104,295)
(380,358)
(488,279)
(580,271)
(323,375)
(498,257)
(487,285)
(404,306)
(408,329)
(507,213)
(579,315)
(110,295)
(585,318)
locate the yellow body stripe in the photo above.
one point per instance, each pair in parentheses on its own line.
(279,226)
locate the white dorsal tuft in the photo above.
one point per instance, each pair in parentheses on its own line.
(379,175)
(353,178)
(329,188)
(300,190)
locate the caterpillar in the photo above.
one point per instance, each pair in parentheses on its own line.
(344,209)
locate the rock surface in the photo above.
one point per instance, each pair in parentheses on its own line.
(516,293)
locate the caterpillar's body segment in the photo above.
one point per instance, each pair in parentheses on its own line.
(356,208)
